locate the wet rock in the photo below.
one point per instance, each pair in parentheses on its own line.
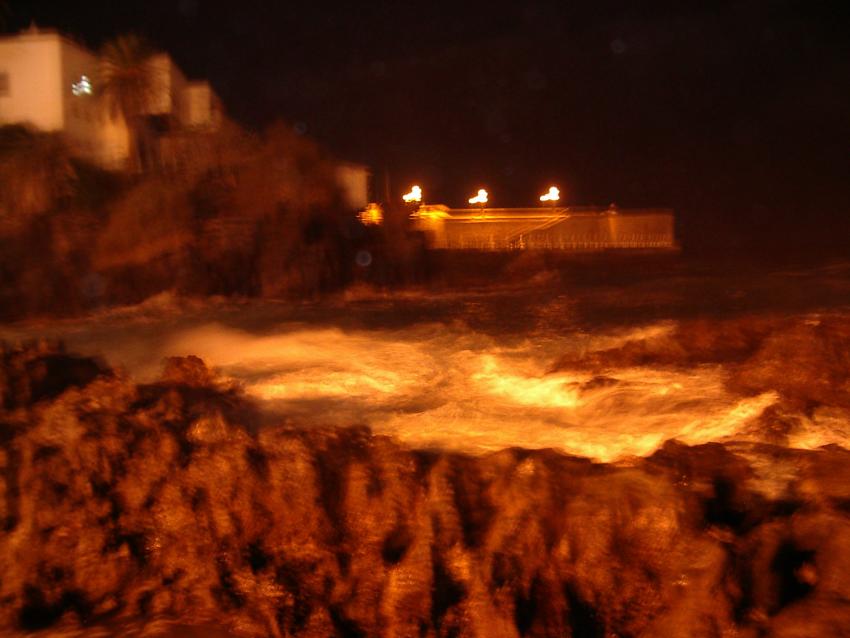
(719,480)
(42,371)
(190,371)
(688,342)
(824,477)
(776,425)
(806,362)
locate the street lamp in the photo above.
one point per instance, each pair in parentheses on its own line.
(480,198)
(553,195)
(414,196)
(372,215)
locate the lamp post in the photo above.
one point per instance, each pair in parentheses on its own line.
(480,199)
(414,196)
(552,196)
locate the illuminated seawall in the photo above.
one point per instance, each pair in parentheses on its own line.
(568,229)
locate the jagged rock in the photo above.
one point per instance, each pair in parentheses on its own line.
(805,360)
(687,342)
(807,363)
(190,371)
(41,371)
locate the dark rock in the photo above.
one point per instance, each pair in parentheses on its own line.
(39,372)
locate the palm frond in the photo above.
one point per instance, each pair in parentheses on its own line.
(126,79)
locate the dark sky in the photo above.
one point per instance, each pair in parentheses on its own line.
(737,115)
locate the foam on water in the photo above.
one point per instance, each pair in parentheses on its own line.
(444,384)
(436,386)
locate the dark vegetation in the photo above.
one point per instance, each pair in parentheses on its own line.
(123,503)
(233,214)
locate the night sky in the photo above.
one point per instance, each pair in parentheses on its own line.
(737,116)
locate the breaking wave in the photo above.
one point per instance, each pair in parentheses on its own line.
(434,386)
(607,395)
(135,500)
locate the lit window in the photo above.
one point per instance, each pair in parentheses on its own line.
(4,84)
(83,87)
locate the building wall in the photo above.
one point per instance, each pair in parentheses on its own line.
(353,181)
(200,108)
(169,84)
(42,69)
(39,69)
(178,84)
(644,229)
(93,132)
(32,63)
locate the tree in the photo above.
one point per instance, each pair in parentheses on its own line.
(127,84)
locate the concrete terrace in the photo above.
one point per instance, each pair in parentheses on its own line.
(545,228)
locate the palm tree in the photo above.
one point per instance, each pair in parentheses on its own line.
(126,83)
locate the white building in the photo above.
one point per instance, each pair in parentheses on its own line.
(201,107)
(353,182)
(49,82)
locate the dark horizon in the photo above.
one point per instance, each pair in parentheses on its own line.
(735,116)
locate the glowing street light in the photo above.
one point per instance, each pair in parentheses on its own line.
(414,196)
(372,215)
(480,198)
(552,196)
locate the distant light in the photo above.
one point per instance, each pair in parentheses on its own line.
(552,196)
(83,87)
(372,215)
(414,196)
(480,198)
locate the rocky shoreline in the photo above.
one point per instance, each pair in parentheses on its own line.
(126,503)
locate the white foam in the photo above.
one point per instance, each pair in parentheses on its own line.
(449,386)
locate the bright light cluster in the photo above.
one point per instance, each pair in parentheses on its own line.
(414,196)
(372,215)
(553,195)
(480,198)
(83,87)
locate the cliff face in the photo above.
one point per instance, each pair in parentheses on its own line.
(121,504)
